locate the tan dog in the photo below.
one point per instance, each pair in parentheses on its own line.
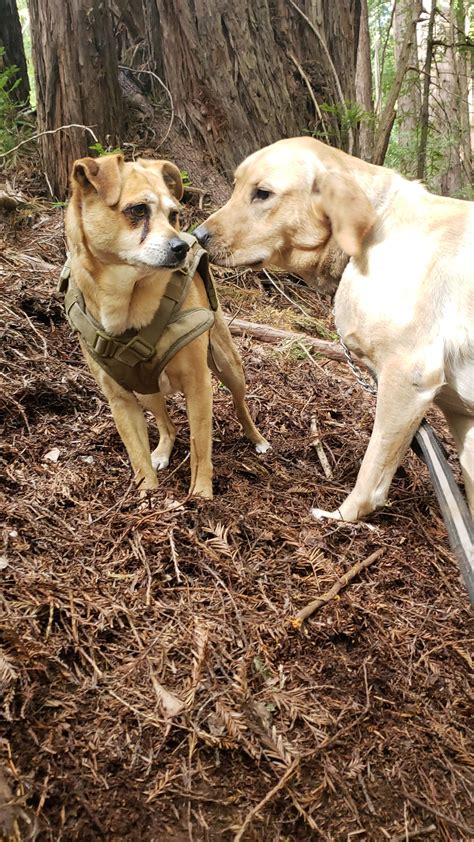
(405,303)
(121,226)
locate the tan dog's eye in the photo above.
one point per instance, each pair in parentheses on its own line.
(173,217)
(261,195)
(137,212)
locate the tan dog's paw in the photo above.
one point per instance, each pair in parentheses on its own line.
(202,491)
(263,446)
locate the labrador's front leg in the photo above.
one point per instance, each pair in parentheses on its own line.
(403,397)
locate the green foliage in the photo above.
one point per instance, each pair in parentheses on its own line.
(185,178)
(101,150)
(443,140)
(348,115)
(13,126)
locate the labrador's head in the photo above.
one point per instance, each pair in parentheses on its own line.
(296,206)
(127,213)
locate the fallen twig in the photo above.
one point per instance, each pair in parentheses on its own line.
(339,585)
(199,192)
(49,131)
(412,834)
(274,335)
(441,815)
(318,446)
(268,797)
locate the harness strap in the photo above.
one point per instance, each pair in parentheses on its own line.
(131,346)
(123,356)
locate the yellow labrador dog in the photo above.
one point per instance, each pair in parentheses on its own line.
(122,230)
(403,262)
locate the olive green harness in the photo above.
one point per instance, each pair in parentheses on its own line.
(136,358)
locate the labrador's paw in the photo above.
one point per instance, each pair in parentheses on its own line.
(159,461)
(263,446)
(320,514)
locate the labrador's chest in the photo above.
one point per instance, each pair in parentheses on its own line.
(378,306)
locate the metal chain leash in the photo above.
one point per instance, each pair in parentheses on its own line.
(362,380)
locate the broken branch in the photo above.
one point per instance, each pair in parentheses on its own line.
(265,333)
(340,584)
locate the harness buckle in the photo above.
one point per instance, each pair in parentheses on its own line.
(138,350)
(103,346)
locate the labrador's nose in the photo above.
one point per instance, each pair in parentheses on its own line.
(179,248)
(203,235)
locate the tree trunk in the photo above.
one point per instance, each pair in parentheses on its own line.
(239,72)
(447,101)
(388,114)
(466,74)
(75,60)
(227,90)
(363,86)
(409,98)
(323,36)
(11,40)
(425,103)
(154,41)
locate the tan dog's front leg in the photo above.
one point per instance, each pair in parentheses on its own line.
(198,392)
(401,405)
(160,457)
(131,425)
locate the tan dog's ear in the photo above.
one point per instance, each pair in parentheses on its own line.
(103,174)
(170,173)
(348,209)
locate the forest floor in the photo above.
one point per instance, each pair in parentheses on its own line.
(154,683)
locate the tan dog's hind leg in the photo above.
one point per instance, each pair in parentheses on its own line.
(462,429)
(401,406)
(160,456)
(197,388)
(225,362)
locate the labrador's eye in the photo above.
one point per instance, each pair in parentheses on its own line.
(173,217)
(261,195)
(137,212)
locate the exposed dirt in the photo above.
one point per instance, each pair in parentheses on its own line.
(154,685)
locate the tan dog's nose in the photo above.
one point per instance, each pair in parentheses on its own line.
(179,248)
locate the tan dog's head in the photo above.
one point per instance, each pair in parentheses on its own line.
(296,206)
(127,213)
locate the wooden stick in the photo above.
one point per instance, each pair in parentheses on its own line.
(268,797)
(274,335)
(340,584)
(49,131)
(318,446)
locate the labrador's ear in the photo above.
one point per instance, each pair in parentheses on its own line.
(104,175)
(347,207)
(170,174)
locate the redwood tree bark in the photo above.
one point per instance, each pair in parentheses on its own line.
(11,40)
(231,71)
(450,98)
(225,74)
(75,60)
(363,86)
(409,98)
